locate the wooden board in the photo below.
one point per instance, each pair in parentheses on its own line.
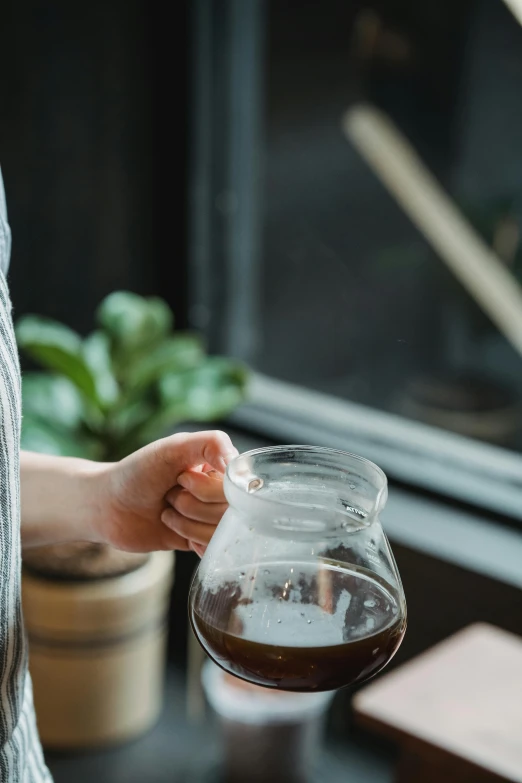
(462,698)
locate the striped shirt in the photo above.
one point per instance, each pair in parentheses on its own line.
(21,758)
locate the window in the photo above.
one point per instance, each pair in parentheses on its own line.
(304,260)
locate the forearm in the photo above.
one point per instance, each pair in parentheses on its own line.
(58,498)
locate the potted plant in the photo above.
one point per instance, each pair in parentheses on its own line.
(95,616)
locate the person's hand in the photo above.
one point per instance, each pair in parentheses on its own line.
(168,495)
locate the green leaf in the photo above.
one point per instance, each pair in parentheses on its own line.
(157,425)
(206,393)
(209,391)
(208,403)
(217,375)
(134,322)
(174,354)
(130,417)
(42,437)
(57,348)
(53,399)
(97,354)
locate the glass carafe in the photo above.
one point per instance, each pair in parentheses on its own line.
(298,589)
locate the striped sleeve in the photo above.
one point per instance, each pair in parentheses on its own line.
(21,758)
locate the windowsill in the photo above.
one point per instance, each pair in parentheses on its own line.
(461,537)
(409,452)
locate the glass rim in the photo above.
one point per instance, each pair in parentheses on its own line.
(271,505)
(307,448)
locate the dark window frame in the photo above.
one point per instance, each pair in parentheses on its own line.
(224,274)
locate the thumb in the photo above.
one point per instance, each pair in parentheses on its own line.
(189,449)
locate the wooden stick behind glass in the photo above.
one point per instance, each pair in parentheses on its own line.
(400,169)
(515,6)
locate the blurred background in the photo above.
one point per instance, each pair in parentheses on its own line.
(201,157)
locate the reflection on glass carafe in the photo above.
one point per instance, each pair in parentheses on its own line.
(298,589)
